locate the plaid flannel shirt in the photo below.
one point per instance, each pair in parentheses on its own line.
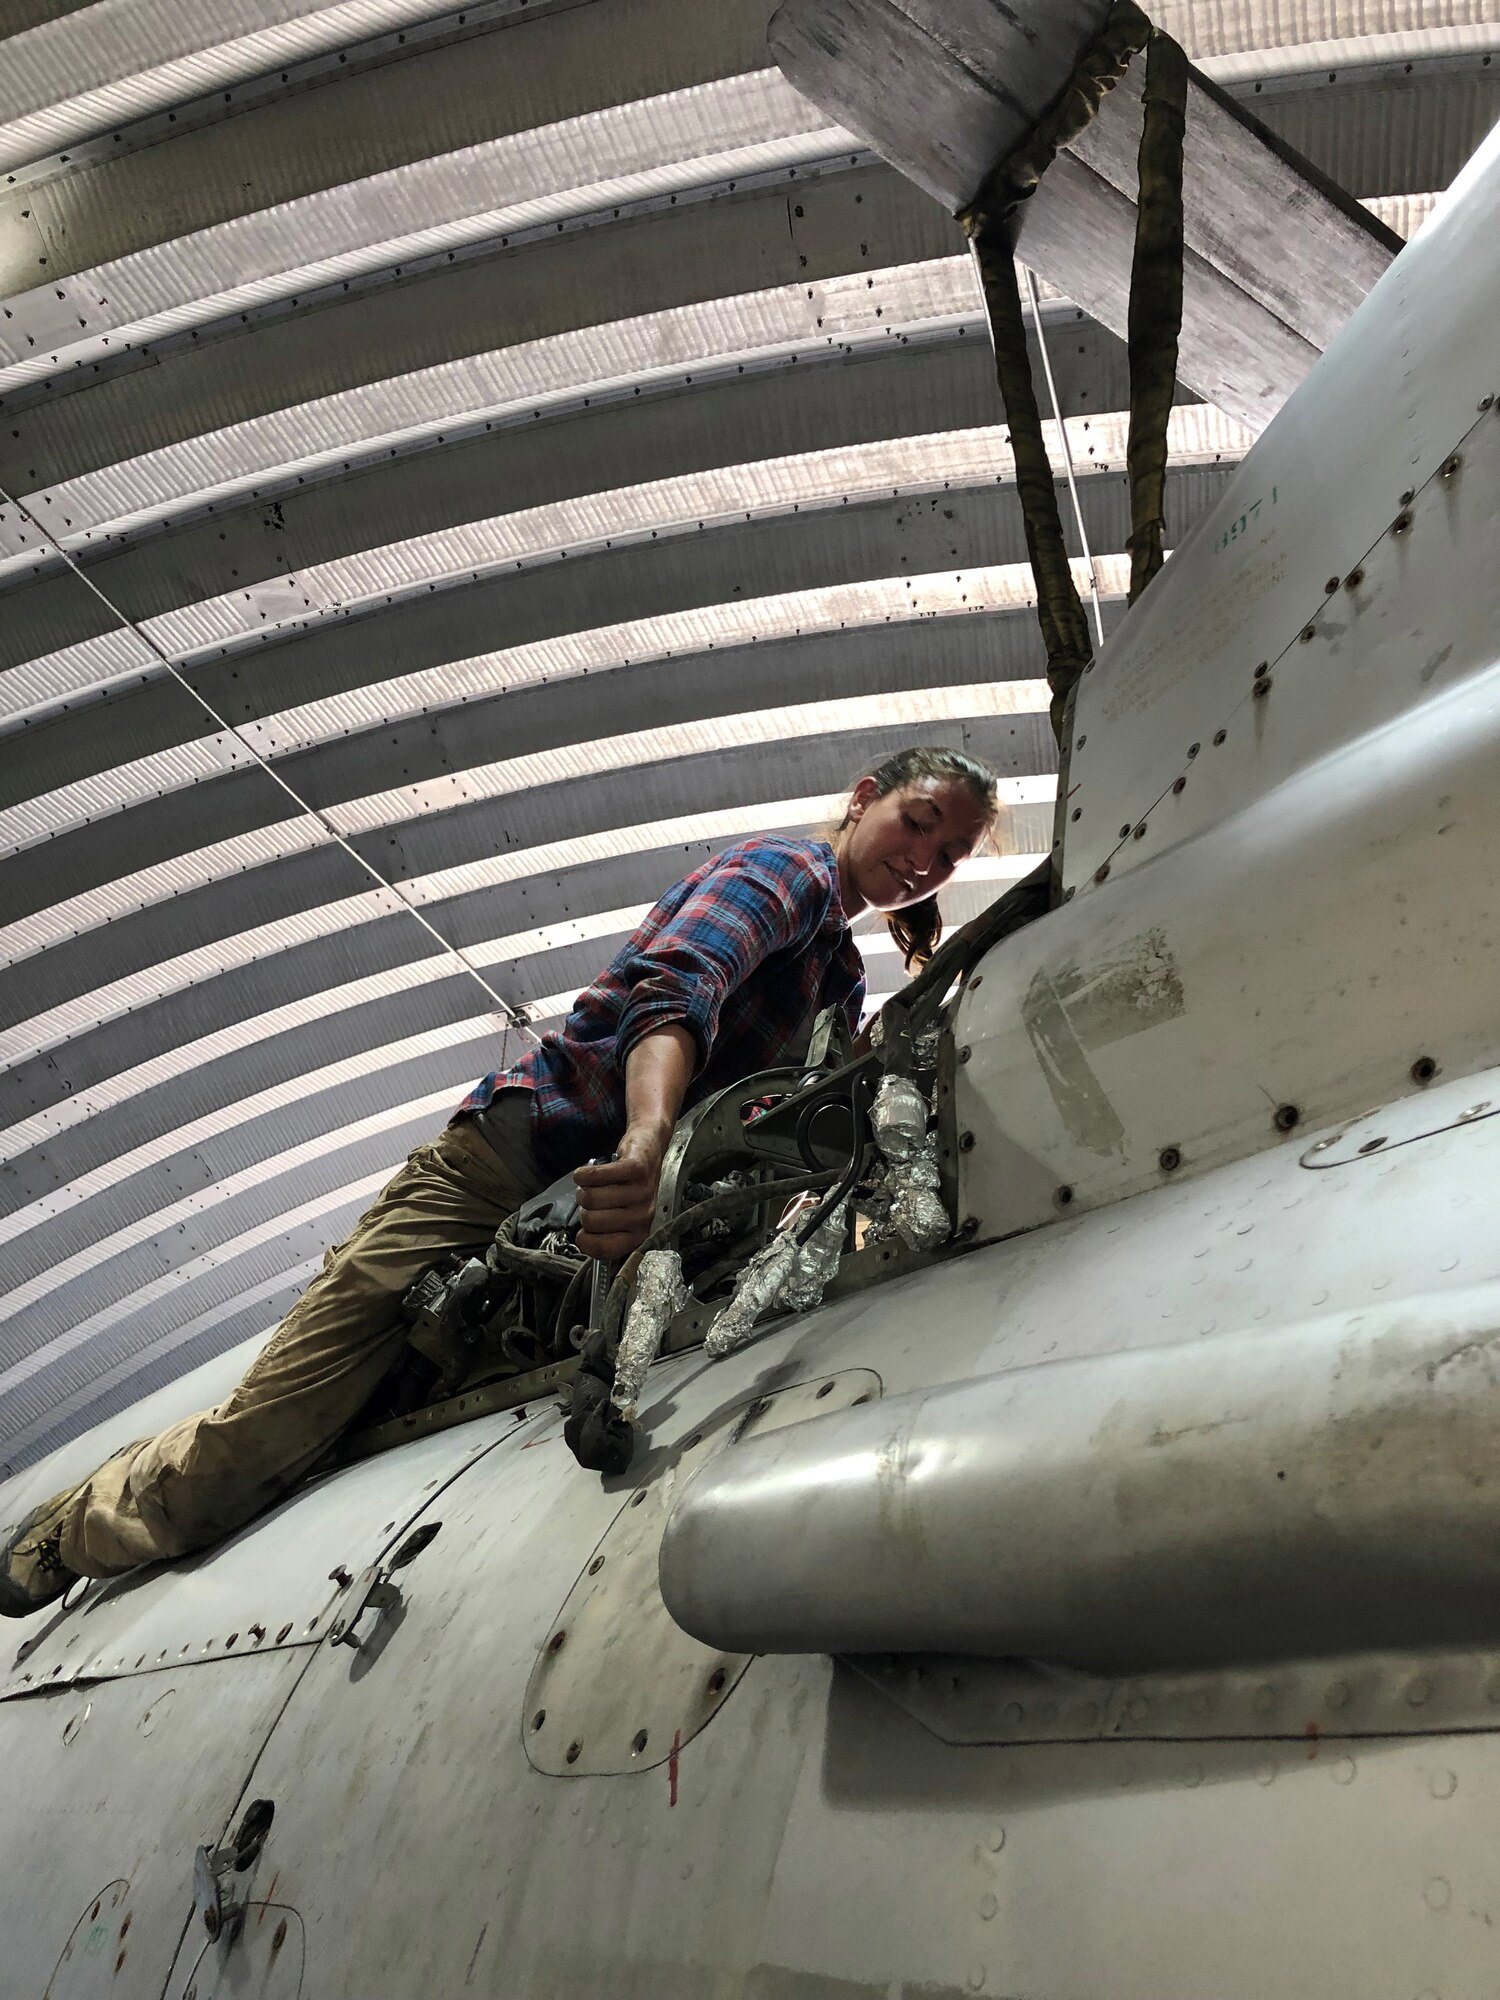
(743,953)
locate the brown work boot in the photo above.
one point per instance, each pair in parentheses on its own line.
(32,1571)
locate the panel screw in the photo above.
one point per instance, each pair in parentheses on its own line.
(1262,688)
(596,1565)
(1080,743)
(1077,813)
(556,1643)
(1265,667)
(1423,1070)
(1451,467)
(1306,636)
(716,1681)
(1063,1197)
(976,981)
(1401,523)
(968,1227)
(341,1577)
(539,1718)
(1125,831)
(1140,832)
(575,1751)
(1169,1159)
(966,1142)
(1408,496)
(1332,585)
(1101,873)
(257,1633)
(1485,401)
(1220,736)
(1354,579)
(1180,785)
(964,1053)
(1194,748)
(1287,1118)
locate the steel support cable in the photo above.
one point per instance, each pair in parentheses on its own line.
(506,1016)
(1067,451)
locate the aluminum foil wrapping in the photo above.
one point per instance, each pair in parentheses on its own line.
(659,1295)
(784,1277)
(813,1268)
(909,1204)
(898,1117)
(758,1289)
(917,1213)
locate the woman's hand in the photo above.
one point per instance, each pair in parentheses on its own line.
(618,1197)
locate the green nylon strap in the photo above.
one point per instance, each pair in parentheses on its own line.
(1155,318)
(1155,303)
(1059,608)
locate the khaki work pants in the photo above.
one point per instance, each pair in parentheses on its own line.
(208,1475)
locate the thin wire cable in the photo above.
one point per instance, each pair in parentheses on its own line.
(1062,432)
(506,1016)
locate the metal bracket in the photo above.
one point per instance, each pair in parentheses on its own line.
(374,1590)
(220,1912)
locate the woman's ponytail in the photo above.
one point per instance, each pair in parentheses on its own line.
(916,930)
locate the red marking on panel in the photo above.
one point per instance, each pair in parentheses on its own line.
(1312,1732)
(672,1767)
(267,1902)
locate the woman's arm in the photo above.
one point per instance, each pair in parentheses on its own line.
(618,1197)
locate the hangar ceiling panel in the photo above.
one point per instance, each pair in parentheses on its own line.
(459,468)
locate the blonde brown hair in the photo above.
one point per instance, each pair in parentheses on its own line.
(918,928)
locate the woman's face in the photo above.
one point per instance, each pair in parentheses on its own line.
(905,846)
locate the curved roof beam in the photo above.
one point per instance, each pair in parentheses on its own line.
(506,384)
(454,558)
(119,60)
(625,154)
(64,921)
(85,1011)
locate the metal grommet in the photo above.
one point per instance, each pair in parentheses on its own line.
(966,1142)
(1063,1196)
(1169,1159)
(1423,1070)
(964,1053)
(1287,1118)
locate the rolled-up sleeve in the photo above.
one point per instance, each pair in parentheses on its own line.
(752,904)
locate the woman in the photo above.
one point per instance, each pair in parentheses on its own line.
(723,977)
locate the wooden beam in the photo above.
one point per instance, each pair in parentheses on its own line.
(1277,257)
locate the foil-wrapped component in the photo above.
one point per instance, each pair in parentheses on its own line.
(908,1204)
(815,1264)
(659,1295)
(898,1117)
(918,1213)
(758,1289)
(784,1277)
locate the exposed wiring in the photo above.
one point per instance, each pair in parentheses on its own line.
(507,1017)
(1062,432)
